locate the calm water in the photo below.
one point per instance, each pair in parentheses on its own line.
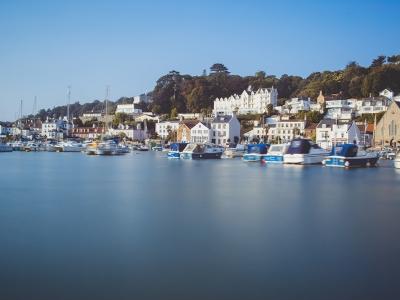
(144,227)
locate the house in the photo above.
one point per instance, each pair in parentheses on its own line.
(128,109)
(225,129)
(201,133)
(321,99)
(387,132)
(330,132)
(184,130)
(143,98)
(137,134)
(372,105)
(285,130)
(388,93)
(367,133)
(147,116)
(342,109)
(163,129)
(310,132)
(257,133)
(294,105)
(55,129)
(249,102)
(88,133)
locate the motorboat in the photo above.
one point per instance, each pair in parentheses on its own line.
(122,149)
(142,148)
(275,153)
(31,147)
(235,151)
(69,146)
(17,146)
(304,152)
(255,152)
(157,148)
(91,148)
(201,151)
(349,156)
(5,148)
(176,150)
(397,161)
(109,147)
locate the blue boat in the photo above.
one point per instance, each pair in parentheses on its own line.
(275,153)
(176,149)
(255,152)
(349,156)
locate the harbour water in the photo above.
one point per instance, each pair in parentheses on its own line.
(141,226)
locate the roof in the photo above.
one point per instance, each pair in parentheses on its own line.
(189,123)
(311,126)
(368,129)
(327,122)
(222,119)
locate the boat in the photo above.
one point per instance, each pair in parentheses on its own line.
(69,146)
(5,148)
(17,146)
(157,148)
(275,153)
(201,151)
(143,148)
(255,152)
(31,147)
(349,155)
(91,148)
(397,161)
(235,151)
(107,148)
(122,149)
(304,152)
(176,149)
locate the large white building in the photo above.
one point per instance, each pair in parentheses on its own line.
(130,132)
(330,132)
(286,130)
(128,109)
(200,133)
(372,105)
(249,102)
(225,129)
(164,128)
(55,129)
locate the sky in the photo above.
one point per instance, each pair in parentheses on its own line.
(46,46)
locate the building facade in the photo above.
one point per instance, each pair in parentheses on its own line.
(387,132)
(286,130)
(330,132)
(201,133)
(163,129)
(128,109)
(225,129)
(249,102)
(184,130)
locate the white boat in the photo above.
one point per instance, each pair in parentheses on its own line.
(397,161)
(255,152)
(69,146)
(236,151)
(5,148)
(91,148)
(107,148)
(201,151)
(17,146)
(275,153)
(304,152)
(350,156)
(31,147)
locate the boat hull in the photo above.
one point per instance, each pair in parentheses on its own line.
(252,157)
(350,162)
(5,148)
(397,163)
(278,159)
(188,155)
(304,159)
(174,154)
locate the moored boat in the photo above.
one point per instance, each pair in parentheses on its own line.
(91,148)
(235,151)
(5,148)
(275,153)
(255,152)
(176,149)
(107,148)
(304,152)
(201,151)
(349,156)
(397,161)
(31,147)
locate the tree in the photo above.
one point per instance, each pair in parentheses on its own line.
(270,109)
(393,59)
(219,68)
(174,113)
(378,62)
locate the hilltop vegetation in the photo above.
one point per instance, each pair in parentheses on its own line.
(175,92)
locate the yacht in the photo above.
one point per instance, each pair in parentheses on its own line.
(349,155)
(275,153)
(91,148)
(5,148)
(69,146)
(143,148)
(255,152)
(201,151)
(31,147)
(176,150)
(304,152)
(107,148)
(235,151)
(397,161)
(157,148)
(122,149)
(17,146)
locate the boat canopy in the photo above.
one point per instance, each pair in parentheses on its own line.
(300,146)
(178,147)
(346,150)
(257,148)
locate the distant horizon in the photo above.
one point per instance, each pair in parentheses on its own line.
(47,46)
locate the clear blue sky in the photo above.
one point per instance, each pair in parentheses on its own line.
(47,45)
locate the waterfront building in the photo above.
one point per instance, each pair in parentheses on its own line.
(5,130)
(128,109)
(342,109)
(225,129)
(330,132)
(164,128)
(200,133)
(387,131)
(295,105)
(257,133)
(184,130)
(137,134)
(286,130)
(88,133)
(249,102)
(55,129)
(310,132)
(372,105)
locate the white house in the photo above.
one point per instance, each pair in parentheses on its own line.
(143,98)
(128,109)
(55,129)
(295,105)
(5,130)
(286,130)
(258,132)
(388,93)
(130,132)
(201,133)
(249,102)
(330,132)
(164,128)
(225,129)
(343,109)
(372,105)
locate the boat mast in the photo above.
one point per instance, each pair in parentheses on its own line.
(68,104)
(106,116)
